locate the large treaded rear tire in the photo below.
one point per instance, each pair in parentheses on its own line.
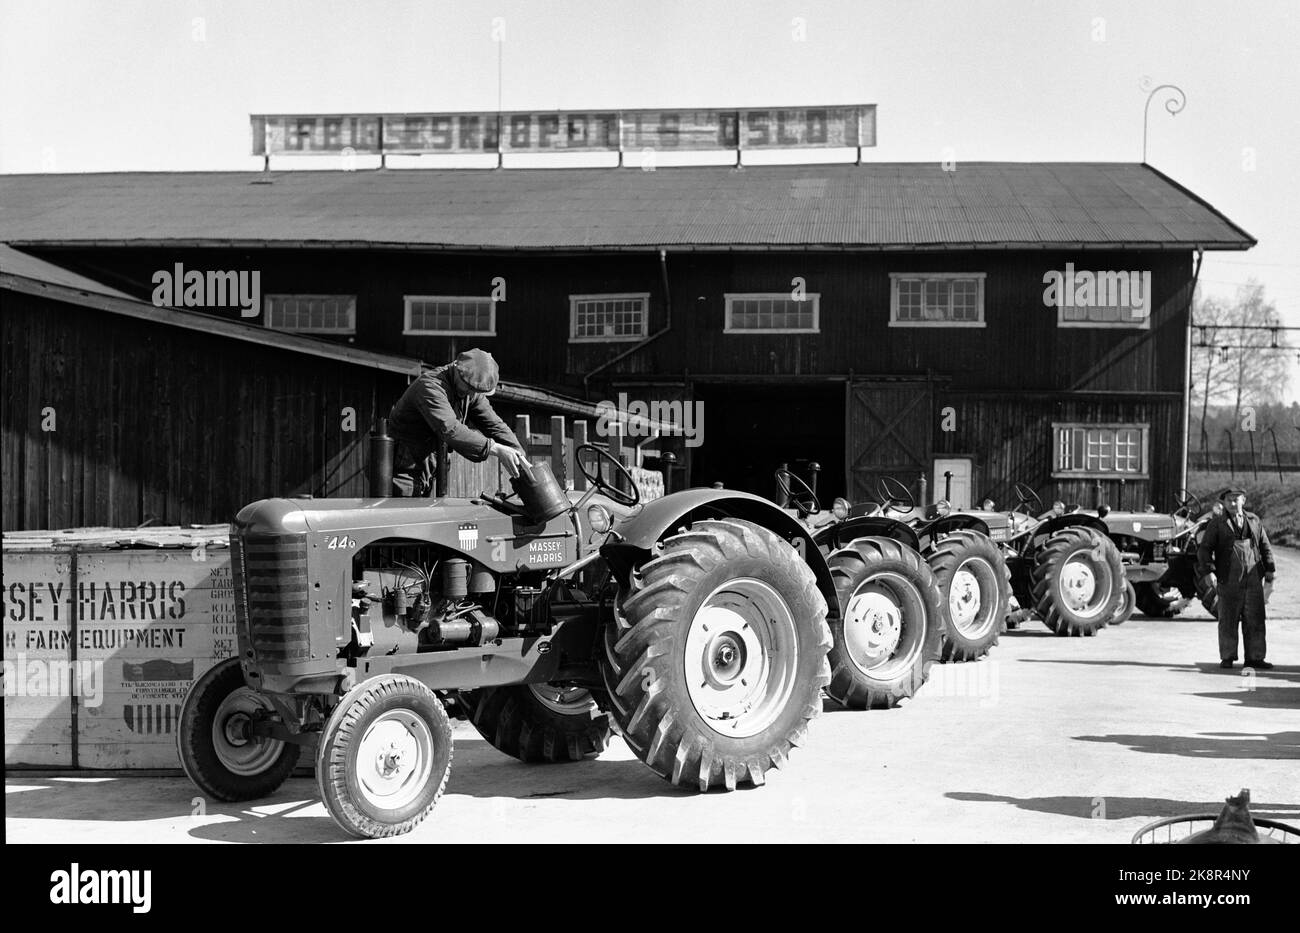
(1077,544)
(647,654)
(974,554)
(876,567)
(517,722)
(222,693)
(346,768)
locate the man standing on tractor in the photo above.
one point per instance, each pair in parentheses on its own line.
(450,403)
(1235,553)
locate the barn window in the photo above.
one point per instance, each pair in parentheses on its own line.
(607,318)
(312,314)
(450,316)
(944,299)
(1100,450)
(776,313)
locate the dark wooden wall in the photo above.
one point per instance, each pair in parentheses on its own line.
(1011,378)
(1021,346)
(168,425)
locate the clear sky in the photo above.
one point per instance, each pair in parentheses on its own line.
(169,84)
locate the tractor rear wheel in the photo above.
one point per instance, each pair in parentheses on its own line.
(976,587)
(1078,580)
(716,656)
(384,756)
(1127,603)
(218,751)
(539,722)
(889,627)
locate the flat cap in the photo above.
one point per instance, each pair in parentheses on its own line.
(479,370)
(1232,492)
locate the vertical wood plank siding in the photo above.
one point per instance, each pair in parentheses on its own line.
(168,425)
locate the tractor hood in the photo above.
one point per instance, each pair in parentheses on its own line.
(1144,524)
(298,516)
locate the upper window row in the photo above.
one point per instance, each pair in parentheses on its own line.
(930,300)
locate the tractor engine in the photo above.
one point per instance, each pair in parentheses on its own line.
(453,603)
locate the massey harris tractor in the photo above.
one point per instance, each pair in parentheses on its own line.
(1060,565)
(891,624)
(694,625)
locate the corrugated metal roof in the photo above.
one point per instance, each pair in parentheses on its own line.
(876,205)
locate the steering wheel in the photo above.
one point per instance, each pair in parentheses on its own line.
(806,499)
(597,479)
(891,492)
(1189,504)
(1027,497)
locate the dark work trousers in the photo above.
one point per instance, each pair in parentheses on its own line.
(412,474)
(1241,599)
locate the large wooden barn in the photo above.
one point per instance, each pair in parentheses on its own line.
(964,329)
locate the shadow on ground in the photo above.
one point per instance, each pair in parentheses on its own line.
(478,770)
(1123,808)
(1230,745)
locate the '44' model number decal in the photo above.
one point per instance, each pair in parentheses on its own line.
(340,542)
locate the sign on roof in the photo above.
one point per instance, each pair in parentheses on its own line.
(565,131)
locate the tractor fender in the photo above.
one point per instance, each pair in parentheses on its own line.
(951,523)
(840,534)
(634,539)
(1070,520)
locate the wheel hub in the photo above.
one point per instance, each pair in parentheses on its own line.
(964,598)
(876,624)
(741,657)
(394,759)
(1078,584)
(237,748)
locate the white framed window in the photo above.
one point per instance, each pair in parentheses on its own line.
(1099,451)
(311,314)
(450,316)
(772,313)
(608,318)
(936,299)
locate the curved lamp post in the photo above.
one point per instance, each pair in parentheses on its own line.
(1176,101)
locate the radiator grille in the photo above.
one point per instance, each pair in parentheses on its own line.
(270,576)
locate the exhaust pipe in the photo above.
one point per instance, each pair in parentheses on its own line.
(379,467)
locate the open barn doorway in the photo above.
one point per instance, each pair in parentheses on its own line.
(750,430)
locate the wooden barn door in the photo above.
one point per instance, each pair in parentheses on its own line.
(888,433)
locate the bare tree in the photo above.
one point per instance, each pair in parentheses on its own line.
(1246,362)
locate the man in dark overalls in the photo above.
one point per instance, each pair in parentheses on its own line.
(450,403)
(1235,553)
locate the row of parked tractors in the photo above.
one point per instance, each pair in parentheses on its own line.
(705,627)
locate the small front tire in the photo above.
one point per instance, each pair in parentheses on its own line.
(384,757)
(217,750)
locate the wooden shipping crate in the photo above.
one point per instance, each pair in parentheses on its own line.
(132,618)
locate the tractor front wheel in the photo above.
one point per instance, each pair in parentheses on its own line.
(716,656)
(218,750)
(890,624)
(384,757)
(1127,603)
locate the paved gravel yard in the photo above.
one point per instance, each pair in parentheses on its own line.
(1049,739)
